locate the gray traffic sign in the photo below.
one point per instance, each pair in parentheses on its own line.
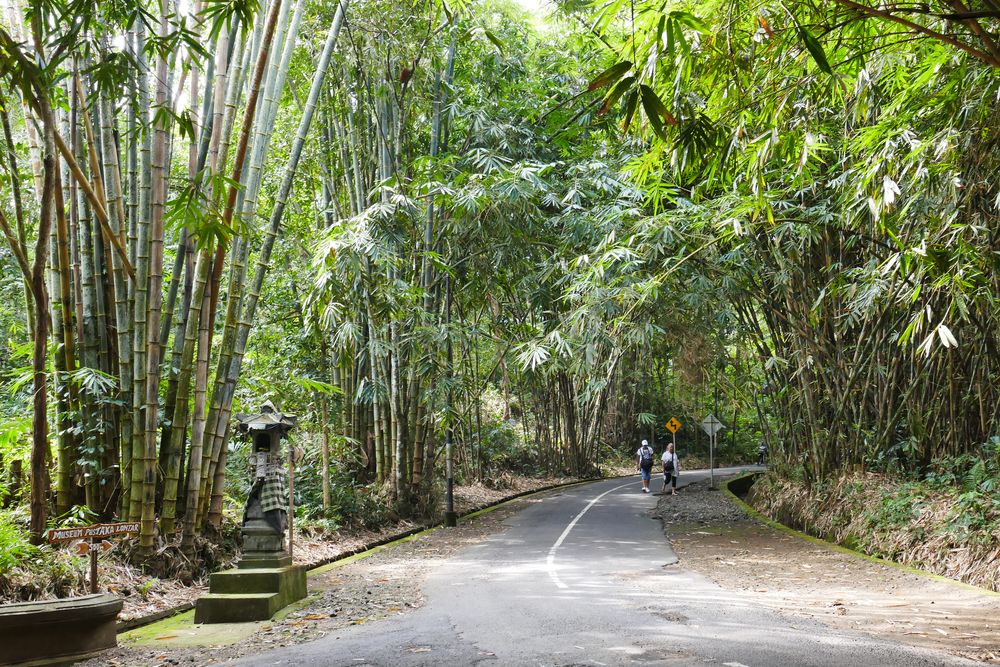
(711,425)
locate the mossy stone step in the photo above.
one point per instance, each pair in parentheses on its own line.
(236,607)
(239,596)
(265,580)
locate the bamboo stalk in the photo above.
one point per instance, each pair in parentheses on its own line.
(264,257)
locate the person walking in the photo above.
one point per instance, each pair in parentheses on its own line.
(761,453)
(671,468)
(644,461)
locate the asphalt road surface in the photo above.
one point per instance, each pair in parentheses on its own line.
(586,577)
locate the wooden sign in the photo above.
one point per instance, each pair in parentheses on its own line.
(96,535)
(84,548)
(97,531)
(673,425)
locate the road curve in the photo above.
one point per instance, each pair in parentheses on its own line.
(585,576)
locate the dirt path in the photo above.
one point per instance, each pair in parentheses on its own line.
(779,571)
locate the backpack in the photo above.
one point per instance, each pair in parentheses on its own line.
(646,456)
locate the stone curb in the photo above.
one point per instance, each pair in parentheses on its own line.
(771,523)
(365,550)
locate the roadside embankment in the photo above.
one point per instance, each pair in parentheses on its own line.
(948,531)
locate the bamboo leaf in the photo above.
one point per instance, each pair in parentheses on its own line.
(652,106)
(947,337)
(630,104)
(316,386)
(496,40)
(650,100)
(610,75)
(221,14)
(620,89)
(814,47)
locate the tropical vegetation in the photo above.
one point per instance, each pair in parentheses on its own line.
(459,241)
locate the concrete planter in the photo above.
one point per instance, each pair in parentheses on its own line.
(57,632)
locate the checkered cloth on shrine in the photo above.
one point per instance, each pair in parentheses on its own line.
(274,492)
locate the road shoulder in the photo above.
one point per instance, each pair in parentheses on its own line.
(800,578)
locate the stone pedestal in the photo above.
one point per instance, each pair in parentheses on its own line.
(250,593)
(264,580)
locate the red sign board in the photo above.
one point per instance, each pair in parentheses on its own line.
(97,531)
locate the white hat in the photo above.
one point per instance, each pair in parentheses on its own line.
(644,443)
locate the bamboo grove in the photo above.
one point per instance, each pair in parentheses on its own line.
(446,208)
(148,130)
(458,244)
(828,171)
(435,209)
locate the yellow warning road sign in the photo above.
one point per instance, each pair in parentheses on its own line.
(673,425)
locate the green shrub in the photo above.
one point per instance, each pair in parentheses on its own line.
(14,546)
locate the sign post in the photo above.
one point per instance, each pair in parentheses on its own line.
(674,425)
(711,426)
(96,535)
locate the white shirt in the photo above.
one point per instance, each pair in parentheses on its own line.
(647,447)
(666,458)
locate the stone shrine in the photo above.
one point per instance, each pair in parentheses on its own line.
(265,580)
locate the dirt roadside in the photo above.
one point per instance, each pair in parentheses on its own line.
(711,536)
(799,578)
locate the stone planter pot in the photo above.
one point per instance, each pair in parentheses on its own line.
(57,632)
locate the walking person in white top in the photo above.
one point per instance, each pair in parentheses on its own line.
(671,468)
(644,461)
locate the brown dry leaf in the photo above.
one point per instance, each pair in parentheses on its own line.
(166,637)
(296,623)
(315,617)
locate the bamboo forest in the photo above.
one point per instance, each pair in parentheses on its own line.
(485,246)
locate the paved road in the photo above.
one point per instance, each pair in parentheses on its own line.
(579,579)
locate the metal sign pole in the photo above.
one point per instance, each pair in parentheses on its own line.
(711,460)
(291,497)
(450,517)
(93,568)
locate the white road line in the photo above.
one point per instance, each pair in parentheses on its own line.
(550,562)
